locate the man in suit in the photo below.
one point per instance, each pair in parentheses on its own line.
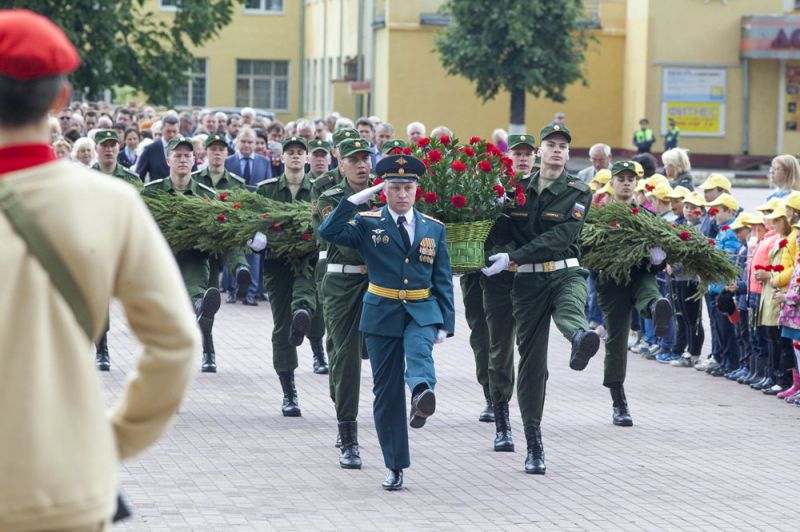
(152,163)
(600,155)
(408,305)
(246,162)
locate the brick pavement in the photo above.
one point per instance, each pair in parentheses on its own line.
(704,454)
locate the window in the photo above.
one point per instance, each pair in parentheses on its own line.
(193,91)
(262,84)
(263,6)
(169,5)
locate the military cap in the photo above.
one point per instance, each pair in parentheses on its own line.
(349,147)
(727,201)
(216,137)
(179,141)
(623,166)
(294,140)
(553,129)
(344,133)
(390,145)
(716,181)
(103,135)
(400,168)
(516,140)
(32,47)
(317,145)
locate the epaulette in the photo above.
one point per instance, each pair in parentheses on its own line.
(267,181)
(201,185)
(321,181)
(432,218)
(578,184)
(239,179)
(333,191)
(371,214)
(154,182)
(129,172)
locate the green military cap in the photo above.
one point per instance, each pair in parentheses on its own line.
(102,135)
(623,166)
(179,141)
(216,137)
(392,144)
(516,140)
(552,129)
(294,140)
(344,133)
(317,145)
(350,146)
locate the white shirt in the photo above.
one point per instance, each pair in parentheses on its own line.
(409,223)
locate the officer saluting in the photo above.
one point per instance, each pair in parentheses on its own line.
(409,303)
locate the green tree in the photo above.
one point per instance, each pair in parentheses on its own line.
(519,46)
(122,42)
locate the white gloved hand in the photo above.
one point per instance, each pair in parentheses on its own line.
(657,255)
(258,242)
(359,198)
(499,263)
(441,335)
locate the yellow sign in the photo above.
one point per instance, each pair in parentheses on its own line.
(698,118)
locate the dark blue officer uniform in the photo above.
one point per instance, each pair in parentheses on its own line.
(410,297)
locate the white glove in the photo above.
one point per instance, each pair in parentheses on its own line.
(359,198)
(499,263)
(258,242)
(657,255)
(441,335)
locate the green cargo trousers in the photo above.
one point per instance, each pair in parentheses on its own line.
(195,270)
(233,260)
(472,294)
(537,297)
(342,294)
(288,292)
(616,302)
(499,311)
(317,329)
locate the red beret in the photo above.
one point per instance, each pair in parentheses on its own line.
(32,47)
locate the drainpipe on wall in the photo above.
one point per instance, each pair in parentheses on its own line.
(781,106)
(746,110)
(302,66)
(359,56)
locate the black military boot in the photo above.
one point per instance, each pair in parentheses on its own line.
(584,346)
(503,443)
(101,359)
(209,364)
(622,416)
(205,309)
(320,364)
(534,462)
(290,407)
(662,312)
(350,458)
(301,322)
(487,414)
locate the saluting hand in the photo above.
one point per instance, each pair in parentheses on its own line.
(499,263)
(359,198)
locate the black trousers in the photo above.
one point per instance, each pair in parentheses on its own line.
(690,335)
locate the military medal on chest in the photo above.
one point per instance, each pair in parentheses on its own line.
(427,250)
(377,239)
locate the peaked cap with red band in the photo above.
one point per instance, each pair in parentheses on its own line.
(32,47)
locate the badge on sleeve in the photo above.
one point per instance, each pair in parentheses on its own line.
(578,211)
(427,250)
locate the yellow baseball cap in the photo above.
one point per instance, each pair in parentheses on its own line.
(662,192)
(725,200)
(656,180)
(716,181)
(639,169)
(746,219)
(793,200)
(769,206)
(695,198)
(679,192)
(777,212)
(602,176)
(606,189)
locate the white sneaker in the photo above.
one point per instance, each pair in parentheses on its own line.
(633,339)
(686,361)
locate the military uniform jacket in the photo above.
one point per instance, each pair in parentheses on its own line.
(228,181)
(122,173)
(277,188)
(425,265)
(327,202)
(547,227)
(325,182)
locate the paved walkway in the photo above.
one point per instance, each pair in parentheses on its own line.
(704,454)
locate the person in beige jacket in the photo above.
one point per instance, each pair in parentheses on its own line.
(59,448)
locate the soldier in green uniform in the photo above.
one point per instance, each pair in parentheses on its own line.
(194,265)
(394,144)
(107,147)
(216,176)
(343,287)
(616,301)
(549,282)
(291,295)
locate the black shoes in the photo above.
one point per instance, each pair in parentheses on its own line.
(534,461)
(487,414)
(320,364)
(101,360)
(250,301)
(205,309)
(662,315)
(622,416)
(209,364)
(290,406)
(349,457)
(394,480)
(503,443)
(301,322)
(243,278)
(584,346)
(423,405)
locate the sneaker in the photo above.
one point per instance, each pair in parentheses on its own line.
(633,339)
(666,358)
(639,346)
(601,332)
(686,361)
(706,364)
(652,353)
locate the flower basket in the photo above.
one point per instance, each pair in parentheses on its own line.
(465,241)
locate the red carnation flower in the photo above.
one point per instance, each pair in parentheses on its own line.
(725,227)
(418,194)
(396,151)
(475,140)
(778,268)
(490,146)
(406,150)
(445,140)
(768,268)
(783,243)
(614,223)
(307,236)
(500,190)
(382,199)
(506,161)
(426,162)
(458,166)
(635,210)
(469,151)
(378,181)
(758,267)
(458,201)
(264,216)
(711,242)
(423,142)
(221,218)
(713,211)
(430,197)
(485,166)
(519,190)
(237,205)
(521,199)
(277,227)
(223,196)
(435,156)
(697,212)
(673,225)
(685,236)
(796,344)
(650,188)
(495,152)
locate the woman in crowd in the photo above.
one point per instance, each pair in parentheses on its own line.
(127,155)
(62,148)
(83,151)
(784,174)
(678,168)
